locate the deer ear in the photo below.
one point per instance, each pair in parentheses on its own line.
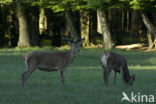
(81,40)
(67,39)
(69,42)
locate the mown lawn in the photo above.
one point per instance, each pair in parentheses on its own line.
(84,82)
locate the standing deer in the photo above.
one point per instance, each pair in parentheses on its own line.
(116,62)
(50,61)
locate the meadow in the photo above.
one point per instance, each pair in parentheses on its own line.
(84,79)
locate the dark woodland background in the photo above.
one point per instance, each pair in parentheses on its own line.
(27,23)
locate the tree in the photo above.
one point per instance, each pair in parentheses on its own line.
(84,26)
(102,6)
(42,21)
(23,26)
(105,29)
(8,34)
(28,34)
(33,23)
(64,7)
(1,25)
(73,31)
(146,6)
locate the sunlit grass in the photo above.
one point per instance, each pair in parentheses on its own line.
(18,51)
(84,82)
(35,48)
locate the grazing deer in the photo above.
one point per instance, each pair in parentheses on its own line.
(50,61)
(114,61)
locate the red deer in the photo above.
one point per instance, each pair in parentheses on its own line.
(116,62)
(50,61)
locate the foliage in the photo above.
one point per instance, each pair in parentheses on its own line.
(135,4)
(5,1)
(107,4)
(143,4)
(60,5)
(55,5)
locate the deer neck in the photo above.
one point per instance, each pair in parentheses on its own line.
(71,55)
(126,74)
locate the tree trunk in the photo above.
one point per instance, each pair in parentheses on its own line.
(99,30)
(105,29)
(84,20)
(150,42)
(42,21)
(134,22)
(23,26)
(72,29)
(1,26)
(148,24)
(155,42)
(9,26)
(127,21)
(56,36)
(110,18)
(34,27)
(66,30)
(113,27)
(151,29)
(122,19)
(93,26)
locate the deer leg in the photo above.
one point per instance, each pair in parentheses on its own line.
(26,75)
(31,65)
(122,75)
(114,77)
(62,78)
(106,74)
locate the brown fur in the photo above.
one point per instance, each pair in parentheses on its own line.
(117,63)
(49,61)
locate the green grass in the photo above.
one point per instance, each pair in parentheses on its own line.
(84,82)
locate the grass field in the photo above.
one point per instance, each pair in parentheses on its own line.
(84,82)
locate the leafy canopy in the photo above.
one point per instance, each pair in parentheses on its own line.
(127,4)
(5,1)
(143,4)
(107,4)
(60,5)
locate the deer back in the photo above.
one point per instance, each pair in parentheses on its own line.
(48,60)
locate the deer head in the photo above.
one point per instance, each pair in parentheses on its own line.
(74,45)
(132,79)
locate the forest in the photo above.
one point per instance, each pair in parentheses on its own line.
(34,36)
(103,23)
